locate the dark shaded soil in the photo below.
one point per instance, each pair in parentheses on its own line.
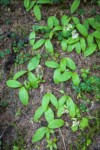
(16,121)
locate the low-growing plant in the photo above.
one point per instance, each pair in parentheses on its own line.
(63,71)
(70,33)
(32,82)
(35,5)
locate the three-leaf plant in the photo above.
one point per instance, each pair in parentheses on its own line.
(32,81)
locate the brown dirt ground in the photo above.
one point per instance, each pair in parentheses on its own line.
(19,129)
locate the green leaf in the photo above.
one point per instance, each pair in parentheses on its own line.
(38,113)
(38,44)
(76,20)
(57,76)
(75,5)
(82,29)
(33,80)
(33,63)
(96,34)
(90,39)
(23,95)
(60,111)
(62,100)
(90,50)
(63,64)
(55,21)
(53,100)
(51,64)
(98,43)
(49,115)
(50,22)
(31,5)
(74,128)
(37,12)
(13,84)
(44,2)
(19,74)
(83,44)
(70,47)
(57,28)
(65,76)
(94,24)
(26,3)
(72,41)
(57,123)
(71,64)
(86,24)
(39,134)
(48,46)
(84,123)
(32,38)
(75,79)
(45,101)
(64,45)
(78,47)
(64,20)
(71,106)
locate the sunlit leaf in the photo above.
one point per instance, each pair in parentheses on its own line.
(57,123)
(13,84)
(23,95)
(39,134)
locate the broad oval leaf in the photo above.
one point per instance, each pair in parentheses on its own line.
(65,76)
(19,74)
(39,134)
(38,113)
(32,38)
(45,101)
(62,100)
(57,123)
(26,3)
(90,50)
(13,84)
(53,100)
(49,46)
(70,47)
(78,47)
(38,44)
(71,64)
(31,5)
(75,20)
(96,34)
(37,12)
(50,22)
(75,5)
(49,115)
(33,63)
(63,64)
(72,40)
(82,29)
(55,21)
(83,44)
(90,39)
(51,64)
(33,80)
(64,45)
(75,79)
(64,20)
(57,76)
(23,95)
(71,106)
(60,111)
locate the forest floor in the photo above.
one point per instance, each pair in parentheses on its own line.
(16,121)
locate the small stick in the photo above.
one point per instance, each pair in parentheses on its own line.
(63,139)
